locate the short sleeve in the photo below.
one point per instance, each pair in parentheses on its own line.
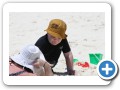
(42,56)
(66,47)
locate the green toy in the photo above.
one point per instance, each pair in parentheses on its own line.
(75,60)
(95,58)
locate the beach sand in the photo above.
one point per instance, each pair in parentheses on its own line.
(85,30)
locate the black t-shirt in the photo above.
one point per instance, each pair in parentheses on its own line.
(52,52)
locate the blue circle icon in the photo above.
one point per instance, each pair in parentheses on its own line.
(107,69)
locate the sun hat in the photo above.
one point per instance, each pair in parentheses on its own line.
(27,56)
(57,28)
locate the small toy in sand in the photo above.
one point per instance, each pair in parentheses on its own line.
(75,60)
(95,58)
(84,65)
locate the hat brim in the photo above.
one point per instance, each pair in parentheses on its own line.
(56,34)
(19,59)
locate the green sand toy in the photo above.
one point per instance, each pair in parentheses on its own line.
(95,58)
(75,60)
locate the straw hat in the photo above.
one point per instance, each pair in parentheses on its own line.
(57,28)
(28,55)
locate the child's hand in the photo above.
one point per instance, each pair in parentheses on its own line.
(71,72)
(37,64)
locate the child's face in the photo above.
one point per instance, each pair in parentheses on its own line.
(54,40)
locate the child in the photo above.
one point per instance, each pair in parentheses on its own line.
(29,63)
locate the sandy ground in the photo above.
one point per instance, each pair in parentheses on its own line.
(86,34)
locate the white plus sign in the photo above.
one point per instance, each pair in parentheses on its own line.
(107,69)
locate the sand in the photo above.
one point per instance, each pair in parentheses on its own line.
(85,30)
